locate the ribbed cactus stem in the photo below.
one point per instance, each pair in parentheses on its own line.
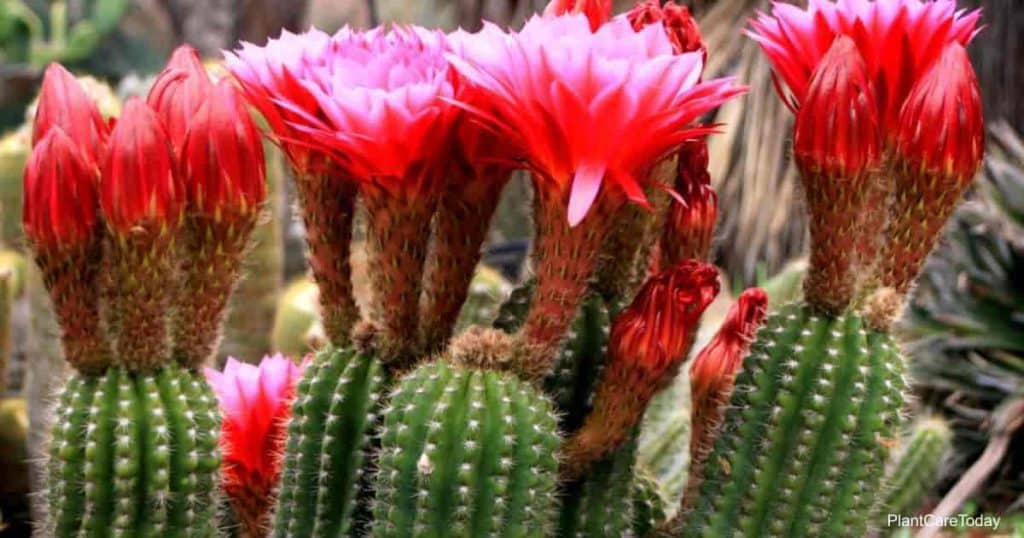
(134,454)
(211,260)
(565,259)
(914,469)
(328,208)
(649,503)
(459,230)
(466,452)
(601,502)
(333,417)
(72,280)
(397,236)
(815,409)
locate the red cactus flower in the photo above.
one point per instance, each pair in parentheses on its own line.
(649,340)
(60,203)
(222,157)
(837,148)
(619,100)
(63,103)
(178,92)
(680,26)
(270,79)
(690,224)
(898,39)
(139,184)
(597,11)
(255,403)
(938,151)
(712,377)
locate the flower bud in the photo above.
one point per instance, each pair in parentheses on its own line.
(60,199)
(63,103)
(597,11)
(178,92)
(680,26)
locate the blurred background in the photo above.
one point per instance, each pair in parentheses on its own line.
(965,328)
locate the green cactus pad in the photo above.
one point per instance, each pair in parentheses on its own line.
(328,438)
(466,453)
(915,468)
(134,455)
(816,406)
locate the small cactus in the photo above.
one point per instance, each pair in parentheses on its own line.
(914,469)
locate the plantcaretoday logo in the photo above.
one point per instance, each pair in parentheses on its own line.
(931,520)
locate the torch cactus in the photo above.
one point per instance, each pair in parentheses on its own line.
(403,426)
(135,449)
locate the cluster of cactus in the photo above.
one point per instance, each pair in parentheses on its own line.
(134,449)
(403,426)
(26,37)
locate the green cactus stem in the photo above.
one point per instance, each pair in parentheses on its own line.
(333,418)
(601,503)
(649,503)
(466,452)
(914,469)
(664,443)
(134,455)
(807,433)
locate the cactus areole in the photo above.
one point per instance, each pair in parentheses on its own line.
(402,426)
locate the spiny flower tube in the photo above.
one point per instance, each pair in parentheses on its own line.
(225,183)
(482,165)
(63,230)
(649,340)
(597,12)
(142,199)
(270,80)
(63,103)
(593,112)
(178,92)
(255,403)
(387,122)
(713,373)
(837,151)
(938,151)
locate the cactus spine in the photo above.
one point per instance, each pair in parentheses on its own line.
(129,459)
(331,429)
(466,452)
(807,431)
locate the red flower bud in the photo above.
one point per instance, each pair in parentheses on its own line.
(680,26)
(139,185)
(690,225)
(712,377)
(178,92)
(939,147)
(60,194)
(836,132)
(63,103)
(222,157)
(649,340)
(838,148)
(597,11)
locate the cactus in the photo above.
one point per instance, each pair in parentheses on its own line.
(914,469)
(134,455)
(601,504)
(649,503)
(332,425)
(466,452)
(806,435)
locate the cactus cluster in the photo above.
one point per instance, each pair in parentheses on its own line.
(403,426)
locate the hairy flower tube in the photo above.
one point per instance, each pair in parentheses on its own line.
(269,77)
(593,112)
(224,174)
(713,373)
(61,222)
(649,340)
(255,403)
(388,122)
(143,200)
